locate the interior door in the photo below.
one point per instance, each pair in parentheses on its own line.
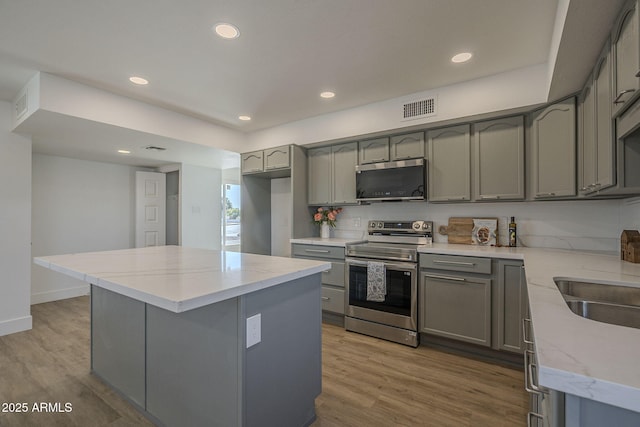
(150,209)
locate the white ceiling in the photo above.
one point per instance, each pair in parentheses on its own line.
(288,50)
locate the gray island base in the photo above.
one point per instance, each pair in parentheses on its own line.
(193,368)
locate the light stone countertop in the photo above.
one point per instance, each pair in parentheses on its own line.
(177,278)
(332,241)
(578,356)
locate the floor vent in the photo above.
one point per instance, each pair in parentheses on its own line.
(419,109)
(21,106)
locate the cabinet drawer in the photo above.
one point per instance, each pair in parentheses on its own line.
(317,251)
(456,263)
(335,276)
(333,300)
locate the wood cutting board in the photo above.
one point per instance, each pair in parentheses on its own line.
(460,229)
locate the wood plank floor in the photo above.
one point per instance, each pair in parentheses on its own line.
(366,381)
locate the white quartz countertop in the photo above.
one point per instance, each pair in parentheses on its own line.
(332,241)
(177,278)
(578,356)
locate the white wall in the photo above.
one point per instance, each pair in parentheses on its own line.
(513,89)
(78,206)
(201,213)
(584,225)
(15,226)
(630,214)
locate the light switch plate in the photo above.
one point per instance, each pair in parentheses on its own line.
(253,330)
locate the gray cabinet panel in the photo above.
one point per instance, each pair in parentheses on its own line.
(319,170)
(252,162)
(456,263)
(335,276)
(276,158)
(333,300)
(409,146)
(118,342)
(449,164)
(553,133)
(605,170)
(626,45)
(374,150)
(456,307)
(300,250)
(499,159)
(511,306)
(194,355)
(587,139)
(344,161)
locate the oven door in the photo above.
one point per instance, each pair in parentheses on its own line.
(399,308)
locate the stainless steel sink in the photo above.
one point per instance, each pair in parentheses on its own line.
(614,304)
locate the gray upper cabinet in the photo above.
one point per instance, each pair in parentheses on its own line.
(374,150)
(276,158)
(587,139)
(252,162)
(499,159)
(626,46)
(319,169)
(409,146)
(344,159)
(553,145)
(449,164)
(332,174)
(266,160)
(605,170)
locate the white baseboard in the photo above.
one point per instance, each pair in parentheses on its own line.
(12,326)
(57,295)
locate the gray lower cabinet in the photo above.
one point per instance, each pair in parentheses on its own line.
(333,280)
(449,164)
(499,159)
(553,146)
(510,306)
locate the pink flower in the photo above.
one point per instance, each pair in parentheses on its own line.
(320,209)
(332,216)
(317,217)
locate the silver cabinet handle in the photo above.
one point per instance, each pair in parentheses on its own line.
(638,73)
(531,415)
(436,276)
(457,198)
(545,194)
(526,322)
(467,264)
(528,375)
(489,197)
(617,100)
(326,298)
(376,160)
(318,251)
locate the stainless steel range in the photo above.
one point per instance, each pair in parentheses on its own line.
(382,280)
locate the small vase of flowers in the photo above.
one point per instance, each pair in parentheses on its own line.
(325,218)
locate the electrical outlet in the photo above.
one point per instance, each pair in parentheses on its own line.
(356,222)
(253,330)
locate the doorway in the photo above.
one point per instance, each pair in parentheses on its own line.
(231,222)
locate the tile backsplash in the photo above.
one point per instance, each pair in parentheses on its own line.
(583,225)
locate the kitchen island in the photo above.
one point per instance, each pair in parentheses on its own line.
(200,337)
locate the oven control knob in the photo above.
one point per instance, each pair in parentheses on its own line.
(380,225)
(416,225)
(425,226)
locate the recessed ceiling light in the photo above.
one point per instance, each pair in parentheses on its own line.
(327,94)
(227,31)
(461,57)
(124,151)
(138,80)
(244,118)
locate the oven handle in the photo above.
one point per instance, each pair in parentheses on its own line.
(403,265)
(407,258)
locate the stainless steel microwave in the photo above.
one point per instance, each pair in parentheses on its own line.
(390,181)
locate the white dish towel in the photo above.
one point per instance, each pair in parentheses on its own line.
(376,281)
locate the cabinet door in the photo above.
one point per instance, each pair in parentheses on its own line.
(456,307)
(627,57)
(587,139)
(554,150)
(344,159)
(374,150)
(252,162)
(276,158)
(410,146)
(333,300)
(511,306)
(499,159)
(449,164)
(319,176)
(604,128)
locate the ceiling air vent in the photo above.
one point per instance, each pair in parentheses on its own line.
(153,147)
(419,109)
(21,106)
